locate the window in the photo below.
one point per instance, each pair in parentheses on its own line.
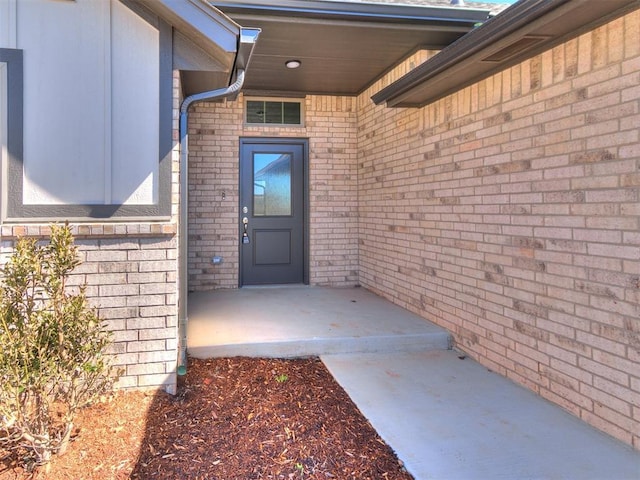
(273,112)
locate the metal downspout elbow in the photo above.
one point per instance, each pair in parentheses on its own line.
(247,40)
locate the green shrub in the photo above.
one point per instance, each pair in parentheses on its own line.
(52,347)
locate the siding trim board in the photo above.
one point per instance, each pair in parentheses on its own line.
(13,59)
(17,212)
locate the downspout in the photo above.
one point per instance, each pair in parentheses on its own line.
(248,38)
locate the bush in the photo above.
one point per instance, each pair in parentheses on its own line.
(52,347)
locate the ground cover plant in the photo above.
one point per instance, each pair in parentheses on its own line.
(233,419)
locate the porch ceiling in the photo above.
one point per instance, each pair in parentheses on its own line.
(343,46)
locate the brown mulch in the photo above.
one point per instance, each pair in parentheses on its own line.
(235,418)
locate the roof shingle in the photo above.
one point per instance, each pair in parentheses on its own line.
(495,8)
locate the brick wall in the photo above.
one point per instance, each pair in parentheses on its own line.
(132,281)
(215,130)
(509,213)
(130,272)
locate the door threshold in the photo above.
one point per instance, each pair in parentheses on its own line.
(277,285)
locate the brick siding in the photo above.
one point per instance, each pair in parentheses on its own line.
(131,278)
(214,133)
(509,214)
(506,213)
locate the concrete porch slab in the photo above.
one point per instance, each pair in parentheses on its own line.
(452,419)
(303,321)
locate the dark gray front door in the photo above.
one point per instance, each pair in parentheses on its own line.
(272,211)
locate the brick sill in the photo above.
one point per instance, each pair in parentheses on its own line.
(93,230)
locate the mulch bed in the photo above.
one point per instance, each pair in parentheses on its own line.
(234,418)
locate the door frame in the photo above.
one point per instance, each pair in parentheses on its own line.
(304,143)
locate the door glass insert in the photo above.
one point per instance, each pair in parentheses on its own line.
(272,184)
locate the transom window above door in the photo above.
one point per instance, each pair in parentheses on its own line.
(273,111)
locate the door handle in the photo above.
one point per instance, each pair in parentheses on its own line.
(245,235)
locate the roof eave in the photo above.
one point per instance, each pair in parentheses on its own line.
(355,10)
(522,31)
(209,28)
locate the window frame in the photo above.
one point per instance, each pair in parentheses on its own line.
(13,208)
(299,101)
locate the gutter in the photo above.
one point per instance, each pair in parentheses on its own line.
(247,41)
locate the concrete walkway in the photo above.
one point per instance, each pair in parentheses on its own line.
(446,418)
